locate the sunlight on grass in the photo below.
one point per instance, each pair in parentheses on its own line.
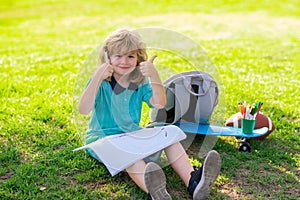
(44,44)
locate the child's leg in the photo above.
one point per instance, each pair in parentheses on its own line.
(136,172)
(179,161)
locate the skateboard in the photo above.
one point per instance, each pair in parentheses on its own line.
(215,130)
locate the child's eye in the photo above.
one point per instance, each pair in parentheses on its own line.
(117,56)
(131,56)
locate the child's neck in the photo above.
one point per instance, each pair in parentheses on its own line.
(122,80)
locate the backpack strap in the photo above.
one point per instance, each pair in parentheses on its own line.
(182,100)
(207,98)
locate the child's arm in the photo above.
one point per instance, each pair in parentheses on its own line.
(158,98)
(88,97)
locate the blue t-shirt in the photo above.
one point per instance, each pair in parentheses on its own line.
(117,109)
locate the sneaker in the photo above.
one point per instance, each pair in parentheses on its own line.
(205,176)
(194,180)
(155,181)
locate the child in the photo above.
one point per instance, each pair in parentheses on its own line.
(115,94)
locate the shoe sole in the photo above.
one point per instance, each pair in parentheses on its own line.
(155,181)
(211,169)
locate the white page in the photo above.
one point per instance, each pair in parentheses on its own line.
(120,151)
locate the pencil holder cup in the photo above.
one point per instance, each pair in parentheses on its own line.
(248,125)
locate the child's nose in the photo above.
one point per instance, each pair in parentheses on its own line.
(124,59)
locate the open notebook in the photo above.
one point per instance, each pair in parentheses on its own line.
(117,152)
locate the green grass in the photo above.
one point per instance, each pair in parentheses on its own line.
(254,45)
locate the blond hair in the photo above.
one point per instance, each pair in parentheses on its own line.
(123,41)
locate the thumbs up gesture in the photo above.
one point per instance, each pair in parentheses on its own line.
(147,67)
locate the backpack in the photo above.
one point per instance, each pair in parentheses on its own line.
(191,96)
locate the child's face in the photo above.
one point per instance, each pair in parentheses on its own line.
(124,63)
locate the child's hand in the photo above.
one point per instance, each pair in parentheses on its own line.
(105,71)
(147,67)
(158,98)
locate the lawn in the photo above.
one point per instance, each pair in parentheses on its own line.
(255,46)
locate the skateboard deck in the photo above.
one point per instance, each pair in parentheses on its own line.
(214,130)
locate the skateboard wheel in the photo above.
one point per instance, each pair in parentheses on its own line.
(244,147)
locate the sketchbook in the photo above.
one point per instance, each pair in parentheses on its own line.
(117,152)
